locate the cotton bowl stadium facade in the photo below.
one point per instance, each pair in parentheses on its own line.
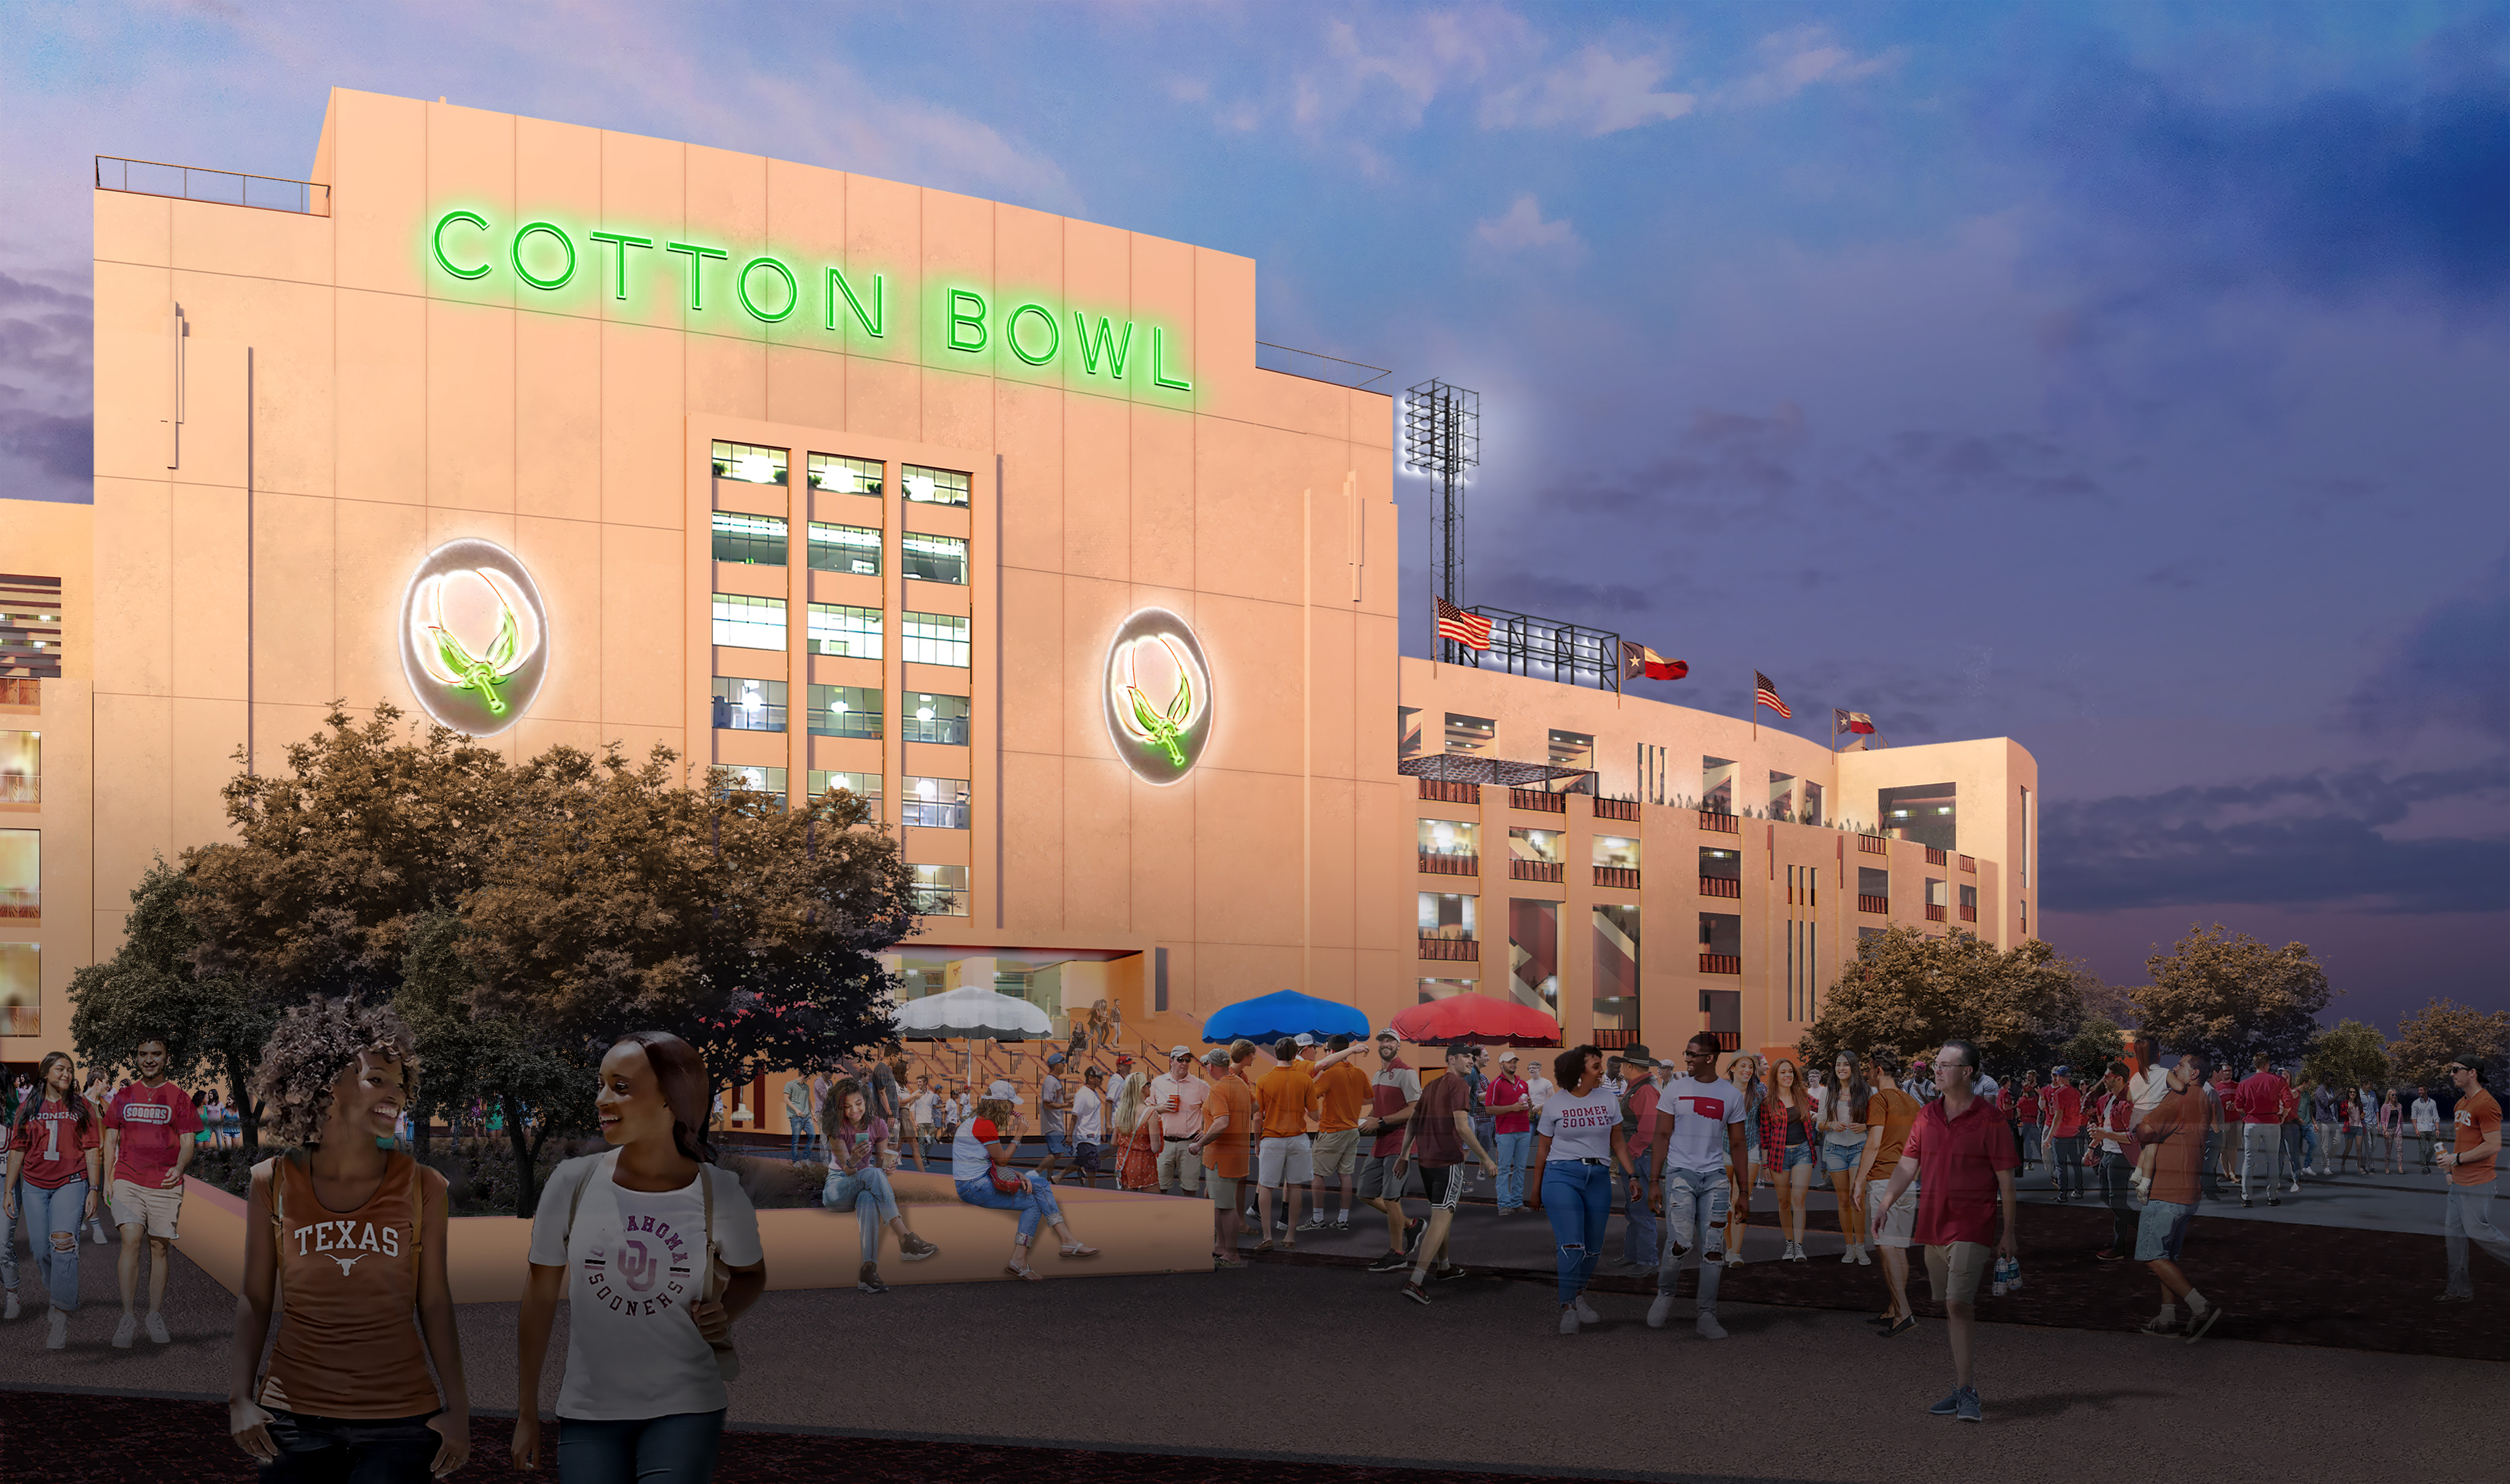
(564,436)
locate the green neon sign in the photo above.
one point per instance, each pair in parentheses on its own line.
(1031,331)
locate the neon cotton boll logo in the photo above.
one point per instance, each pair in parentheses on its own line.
(473,637)
(1158,696)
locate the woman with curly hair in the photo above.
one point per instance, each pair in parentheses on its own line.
(1137,1138)
(1788,1139)
(55,1155)
(348,1236)
(656,1248)
(859,1159)
(981,1166)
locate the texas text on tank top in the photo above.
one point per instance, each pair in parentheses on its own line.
(349,1344)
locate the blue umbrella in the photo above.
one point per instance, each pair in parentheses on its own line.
(1287,1013)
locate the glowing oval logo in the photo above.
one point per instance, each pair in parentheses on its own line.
(473,637)
(1158,696)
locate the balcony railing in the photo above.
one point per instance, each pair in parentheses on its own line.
(1624,878)
(147,177)
(863,724)
(1534,870)
(1935,856)
(1969,863)
(1613,1040)
(1436,864)
(22,901)
(1969,914)
(1463,950)
(1874,845)
(942,901)
(951,731)
(934,814)
(1866,903)
(19,690)
(733,716)
(1445,792)
(1625,810)
(1935,914)
(1721,963)
(1726,1040)
(22,1021)
(1537,801)
(1720,885)
(1720,823)
(20,788)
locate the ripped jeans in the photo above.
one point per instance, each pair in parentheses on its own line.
(40,1214)
(1578,1198)
(1695,1206)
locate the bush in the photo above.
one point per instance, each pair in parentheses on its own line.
(479,1173)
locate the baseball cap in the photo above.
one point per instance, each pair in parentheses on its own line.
(1001,1088)
(1304,1039)
(1505,1058)
(1180,1050)
(1055,1060)
(1217,1056)
(1388,1035)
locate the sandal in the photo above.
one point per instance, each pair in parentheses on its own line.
(1265,1245)
(1078,1249)
(1024,1273)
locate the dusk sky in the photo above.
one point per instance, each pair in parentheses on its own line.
(2128,380)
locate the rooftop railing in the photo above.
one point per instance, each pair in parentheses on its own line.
(1314,365)
(188,182)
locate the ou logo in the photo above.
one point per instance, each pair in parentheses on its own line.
(473,637)
(1158,696)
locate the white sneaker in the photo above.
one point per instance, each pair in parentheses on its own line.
(124,1332)
(1659,1310)
(58,1333)
(9,1309)
(1568,1320)
(1864,1258)
(2296,1189)
(1849,1256)
(1709,1328)
(157,1329)
(1733,1258)
(1586,1312)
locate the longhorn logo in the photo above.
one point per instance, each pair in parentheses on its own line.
(473,637)
(346,1263)
(1158,696)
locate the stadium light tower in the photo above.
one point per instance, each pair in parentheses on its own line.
(1442,438)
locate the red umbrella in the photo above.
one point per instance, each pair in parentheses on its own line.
(1477,1020)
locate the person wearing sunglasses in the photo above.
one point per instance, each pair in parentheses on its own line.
(2470,1165)
(1177,1095)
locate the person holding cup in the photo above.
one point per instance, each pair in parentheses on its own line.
(1178,1096)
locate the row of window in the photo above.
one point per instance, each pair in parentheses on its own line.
(929,803)
(742,705)
(1534,958)
(745,622)
(760,541)
(754,464)
(1458,838)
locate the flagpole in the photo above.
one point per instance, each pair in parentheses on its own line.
(1755,707)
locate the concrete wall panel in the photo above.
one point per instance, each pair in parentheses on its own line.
(471,400)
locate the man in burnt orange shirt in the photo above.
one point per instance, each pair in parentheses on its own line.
(1228,1130)
(1284,1165)
(2470,1165)
(1342,1090)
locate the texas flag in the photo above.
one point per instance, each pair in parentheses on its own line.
(1637,661)
(1850,723)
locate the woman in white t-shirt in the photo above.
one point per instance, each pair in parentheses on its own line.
(1578,1146)
(631,1237)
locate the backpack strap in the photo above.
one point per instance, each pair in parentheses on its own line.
(417,1212)
(601,1166)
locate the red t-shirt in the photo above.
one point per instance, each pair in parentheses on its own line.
(154,1122)
(1502,1092)
(49,1135)
(2261,1098)
(1957,1160)
(2065,1111)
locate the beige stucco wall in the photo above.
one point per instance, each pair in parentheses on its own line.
(47,539)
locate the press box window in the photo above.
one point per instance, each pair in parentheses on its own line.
(934,558)
(755,540)
(935,803)
(840,476)
(1617,852)
(837,629)
(940,891)
(766,780)
(1449,837)
(845,711)
(934,486)
(22,767)
(1543,845)
(1447,915)
(747,465)
(743,621)
(748,705)
(1471,734)
(1572,749)
(1441,989)
(936,638)
(843,549)
(862,785)
(937,719)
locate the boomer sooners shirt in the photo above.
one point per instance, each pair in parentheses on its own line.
(154,1122)
(1700,1113)
(54,1144)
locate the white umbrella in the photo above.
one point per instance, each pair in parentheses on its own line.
(971,1014)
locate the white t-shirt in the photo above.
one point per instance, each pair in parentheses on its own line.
(1538,1090)
(1700,1113)
(919,1108)
(1088,1117)
(2426,1115)
(970,1155)
(1581,1127)
(1049,1093)
(635,1260)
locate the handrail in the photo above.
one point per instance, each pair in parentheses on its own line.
(180,187)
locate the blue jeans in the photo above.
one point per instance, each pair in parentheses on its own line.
(801,1139)
(2469,1214)
(1512,1152)
(1579,1200)
(1034,1201)
(2309,1144)
(2070,1164)
(333,1450)
(679,1449)
(865,1192)
(1696,1202)
(41,1214)
(1640,1244)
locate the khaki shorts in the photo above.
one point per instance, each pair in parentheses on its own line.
(1954,1269)
(1222,1189)
(1337,1152)
(1284,1160)
(1891,1226)
(153,1208)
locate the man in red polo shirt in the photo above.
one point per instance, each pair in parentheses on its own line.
(1964,1150)
(2260,1108)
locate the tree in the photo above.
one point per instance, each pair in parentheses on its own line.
(2443,1029)
(2097,1043)
(213,1025)
(2351,1055)
(1908,990)
(2230,996)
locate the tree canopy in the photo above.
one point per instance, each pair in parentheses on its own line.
(1913,992)
(2349,1056)
(2428,1037)
(2230,996)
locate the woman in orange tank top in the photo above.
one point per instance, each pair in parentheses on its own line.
(347,1236)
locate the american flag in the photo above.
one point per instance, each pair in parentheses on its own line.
(1766,695)
(1470,629)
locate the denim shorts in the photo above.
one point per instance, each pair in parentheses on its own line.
(1798,1157)
(2160,1230)
(1058,1144)
(1841,1158)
